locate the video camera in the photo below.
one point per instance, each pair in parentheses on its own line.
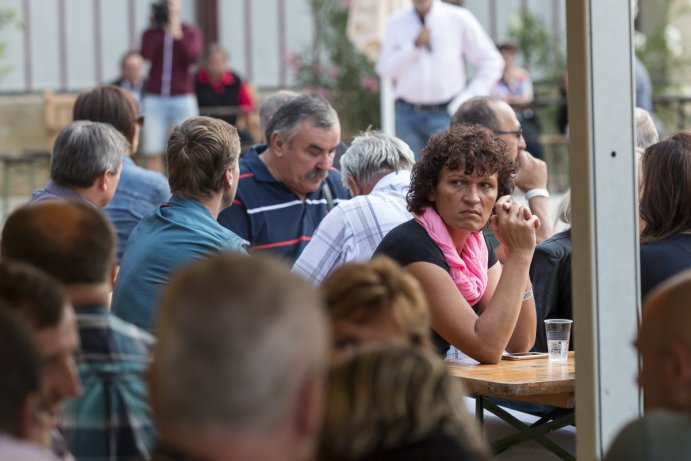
(159,13)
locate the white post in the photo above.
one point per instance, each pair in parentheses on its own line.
(388,113)
(605,222)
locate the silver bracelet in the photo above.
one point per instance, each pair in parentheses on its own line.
(537,192)
(528,294)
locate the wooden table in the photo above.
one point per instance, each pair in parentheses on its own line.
(535,381)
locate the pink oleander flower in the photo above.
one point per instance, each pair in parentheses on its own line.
(370,83)
(334,72)
(345,4)
(293,61)
(318,91)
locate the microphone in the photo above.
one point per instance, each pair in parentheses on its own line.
(422,20)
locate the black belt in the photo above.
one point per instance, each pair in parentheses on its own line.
(424,107)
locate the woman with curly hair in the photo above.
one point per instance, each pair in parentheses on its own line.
(475,304)
(375,302)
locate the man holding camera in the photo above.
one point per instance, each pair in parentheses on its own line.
(172,48)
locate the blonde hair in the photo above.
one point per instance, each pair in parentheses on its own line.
(564,209)
(363,292)
(380,398)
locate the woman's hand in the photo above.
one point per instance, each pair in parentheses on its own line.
(514,225)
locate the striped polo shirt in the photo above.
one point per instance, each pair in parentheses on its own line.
(270,216)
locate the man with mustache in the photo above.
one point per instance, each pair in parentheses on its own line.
(288,186)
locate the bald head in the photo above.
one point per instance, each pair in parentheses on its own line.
(667,311)
(71,241)
(479,110)
(664,342)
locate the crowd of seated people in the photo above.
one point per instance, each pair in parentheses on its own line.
(237,308)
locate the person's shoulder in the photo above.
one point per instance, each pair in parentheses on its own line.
(660,434)
(409,229)
(401,14)
(681,238)
(133,339)
(149,179)
(455,10)
(21,450)
(408,243)
(335,182)
(559,244)
(190,28)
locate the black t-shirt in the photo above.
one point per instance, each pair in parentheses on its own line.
(410,243)
(663,259)
(437,446)
(550,272)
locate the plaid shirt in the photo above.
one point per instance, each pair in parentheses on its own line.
(111,420)
(352,231)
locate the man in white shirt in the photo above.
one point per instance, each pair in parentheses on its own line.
(376,169)
(424,52)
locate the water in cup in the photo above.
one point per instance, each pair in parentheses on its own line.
(558,349)
(558,335)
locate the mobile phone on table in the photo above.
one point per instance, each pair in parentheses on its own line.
(524,356)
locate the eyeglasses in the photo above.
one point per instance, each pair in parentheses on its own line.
(139,120)
(518,133)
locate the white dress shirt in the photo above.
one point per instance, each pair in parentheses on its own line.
(12,449)
(437,74)
(353,230)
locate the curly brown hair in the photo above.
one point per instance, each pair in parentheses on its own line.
(471,147)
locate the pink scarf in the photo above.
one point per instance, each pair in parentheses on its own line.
(469,269)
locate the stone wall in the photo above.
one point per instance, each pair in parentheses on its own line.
(21,124)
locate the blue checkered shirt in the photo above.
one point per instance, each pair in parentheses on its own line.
(111,419)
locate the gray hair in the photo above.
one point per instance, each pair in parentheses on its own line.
(271,104)
(646,132)
(248,334)
(373,154)
(290,115)
(84,150)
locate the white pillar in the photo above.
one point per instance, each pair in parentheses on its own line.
(388,113)
(605,226)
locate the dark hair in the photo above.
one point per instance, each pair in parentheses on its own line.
(477,111)
(36,296)
(471,147)
(111,105)
(508,46)
(72,241)
(199,153)
(665,203)
(20,366)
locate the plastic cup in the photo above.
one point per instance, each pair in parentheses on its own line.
(558,335)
